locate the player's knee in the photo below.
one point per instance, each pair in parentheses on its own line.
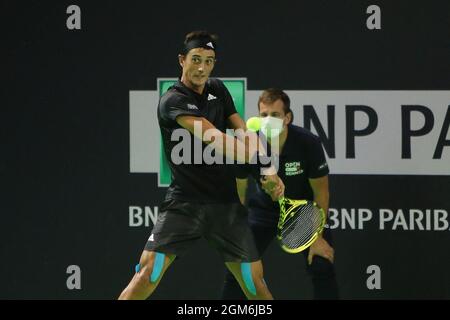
(150,270)
(321,267)
(260,284)
(253,278)
(143,275)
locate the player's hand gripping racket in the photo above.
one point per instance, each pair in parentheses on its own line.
(299,225)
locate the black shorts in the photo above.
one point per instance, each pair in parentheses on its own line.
(224,225)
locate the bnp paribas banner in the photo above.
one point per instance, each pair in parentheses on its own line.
(363,132)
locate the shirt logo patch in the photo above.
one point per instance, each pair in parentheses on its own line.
(292,168)
(322,166)
(192,106)
(211,97)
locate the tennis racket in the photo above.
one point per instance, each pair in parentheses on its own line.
(299,225)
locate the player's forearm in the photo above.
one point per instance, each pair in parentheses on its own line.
(228,146)
(321,192)
(242,149)
(322,199)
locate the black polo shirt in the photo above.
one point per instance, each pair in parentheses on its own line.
(193,182)
(301,158)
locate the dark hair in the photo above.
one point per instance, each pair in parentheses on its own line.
(271,95)
(199,39)
(200,35)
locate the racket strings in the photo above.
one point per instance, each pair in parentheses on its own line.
(300,225)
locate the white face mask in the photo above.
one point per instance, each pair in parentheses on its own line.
(271,127)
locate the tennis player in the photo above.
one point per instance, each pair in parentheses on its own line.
(304,171)
(202,200)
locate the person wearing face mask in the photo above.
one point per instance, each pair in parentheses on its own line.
(304,170)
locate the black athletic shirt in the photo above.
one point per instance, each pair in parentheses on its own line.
(302,158)
(213,183)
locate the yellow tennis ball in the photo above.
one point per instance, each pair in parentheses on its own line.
(254,124)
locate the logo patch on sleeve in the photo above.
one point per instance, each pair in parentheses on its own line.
(323,166)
